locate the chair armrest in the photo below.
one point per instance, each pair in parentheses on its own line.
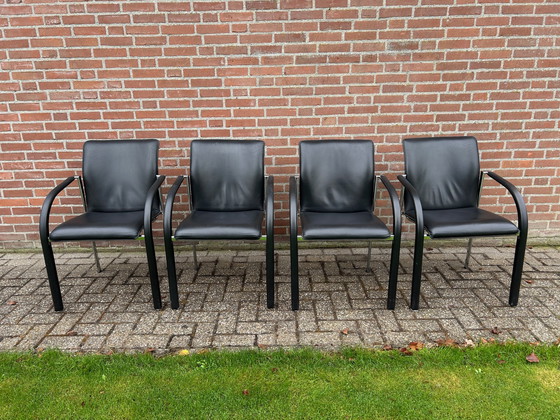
(269,209)
(397,223)
(46,208)
(149,204)
(415,202)
(522,217)
(293,206)
(168,210)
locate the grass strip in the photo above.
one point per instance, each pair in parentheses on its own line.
(488,381)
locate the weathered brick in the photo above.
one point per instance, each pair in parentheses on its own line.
(283,71)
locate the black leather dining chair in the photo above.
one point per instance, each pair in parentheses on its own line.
(229,197)
(119,189)
(442,189)
(336,189)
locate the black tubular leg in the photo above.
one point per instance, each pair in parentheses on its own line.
(294,272)
(417,270)
(53,276)
(152,267)
(270,271)
(393,273)
(517,269)
(171,273)
(293,244)
(269,196)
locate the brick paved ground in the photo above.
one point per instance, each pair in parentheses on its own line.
(223,305)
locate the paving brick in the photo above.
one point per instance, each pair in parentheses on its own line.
(224,304)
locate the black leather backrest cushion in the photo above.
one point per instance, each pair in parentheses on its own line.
(227,175)
(336,175)
(118,173)
(444,171)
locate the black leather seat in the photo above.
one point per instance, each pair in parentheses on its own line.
(336,197)
(120,196)
(442,192)
(100,225)
(468,221)
(221,225)
(353,225)
(229,197)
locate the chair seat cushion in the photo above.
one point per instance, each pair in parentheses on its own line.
(354,225)
(221,225)
(100,225)
(469,221)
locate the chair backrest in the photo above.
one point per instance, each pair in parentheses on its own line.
(444,170)
(336,175)
(227,175)
(118,174)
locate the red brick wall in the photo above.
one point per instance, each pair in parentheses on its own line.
(282,71)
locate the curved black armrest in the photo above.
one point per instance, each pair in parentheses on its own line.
(522,217)
(46,208)
(293,207)
(418,213)
(168,210)
(149,204)
(397,223)
(269,209)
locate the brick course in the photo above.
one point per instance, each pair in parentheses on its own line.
(282,71)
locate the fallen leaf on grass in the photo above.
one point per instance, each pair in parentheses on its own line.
(447,343)
(274,370)
(496,331)
(345,331)
(501,362)
(469,343)
(415,345)
(183,352)
(405,351)
(387,347)
(532,358)
(262,346)
(245,392)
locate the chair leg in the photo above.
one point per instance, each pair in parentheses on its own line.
(171,273)
(53,277)
(270,271)
(195,260)
(417,270)
(393,273)
(96,257)
(368,267)
(152,267)
(469,248)
(517,269)
(294,272)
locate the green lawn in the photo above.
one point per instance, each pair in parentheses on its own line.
(489,381)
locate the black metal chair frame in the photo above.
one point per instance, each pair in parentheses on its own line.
(147,236)
(395,237)
(169,238)
(522,222)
